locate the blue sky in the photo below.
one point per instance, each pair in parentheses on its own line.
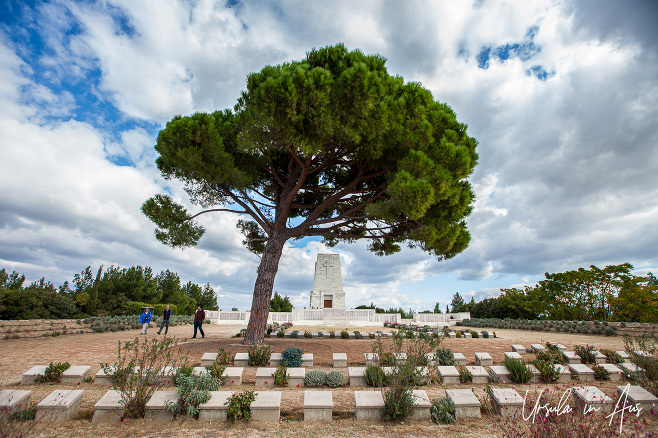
(561,95)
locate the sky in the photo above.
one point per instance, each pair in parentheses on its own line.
(561,95)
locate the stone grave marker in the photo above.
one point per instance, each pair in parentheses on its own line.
(155,407)
(318,405)
(265,376)
(483,359)
(467,405)
(506,402)
(208,359)
(30,375)
(449,375)
(518,348)
(13,400)
(357,376)
(109,408)
(422,403)
(266,406)
(636,395)
(215,408)
(75,374)
(592,396)
(368,405)
(60,405)
(584,373)
(339,360)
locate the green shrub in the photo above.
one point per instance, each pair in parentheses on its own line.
(136,372)
(519,372)
(586,353)
(485,334)
(224,357)
(53,372)
(280,334)
(259,356)
(315,378)
(376,377)
(334,379)
(549,373)
(465,376)
(307,334)
(332,335)
(371,335)
(294,334)
(443,411)
(281,377)
(292,357)
(192,390)
(239,406)
(358,335)
(474,334)
(445,356)
(600,373)
(458,335)
(552,356)
(344,334)
(216,370)
(649,344)
(398,400)
(612,356)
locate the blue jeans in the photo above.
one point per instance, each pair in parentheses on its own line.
(165,322)
(197,325)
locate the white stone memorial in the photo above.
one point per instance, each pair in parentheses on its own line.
(327,290)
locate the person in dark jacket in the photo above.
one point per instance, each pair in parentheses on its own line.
(199,316)
(144,319)
(166,314)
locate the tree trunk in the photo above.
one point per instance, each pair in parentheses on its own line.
(260,305)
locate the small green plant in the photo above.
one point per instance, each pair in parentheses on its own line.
(281,377)
(292,356)
(586,353)
(549,373)
(445,356)
(398,401)
(371,335)
(259,355)
(443,411)
(600,373)
(239,406)
(335,378)
(344,334)
(315,378)
(224,357)
(519,372)
(307,334)
(375,376)
(465,376)
(485,334)
(88,379)
(280,334)
(216,370)
(612,356)
(53,372)
(27,414)
(192,390)
(358,335)
(474,334)
(458,334)
(332,335)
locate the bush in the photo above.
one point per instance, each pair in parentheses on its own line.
(334,379)
(612,356)
(216,370)
(519,372)
(547,369)
(281,377)
(474,334)
(485,334)
(445,356)
(586,353)
(136,372)
(358,335)
(443,411)
(53,372)
(344,334)
(458,334)
(332,335)
(600,373)
(280,334)
(315,378)
(193,390)
(376,377)
(307,334)
(292,357)
(465,376)
(398,400)
(239,406)
(224,357)
(259,356)
(649,344)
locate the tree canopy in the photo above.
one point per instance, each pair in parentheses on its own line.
(329,146)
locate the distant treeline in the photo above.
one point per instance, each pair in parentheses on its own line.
(594,294)
(106,292)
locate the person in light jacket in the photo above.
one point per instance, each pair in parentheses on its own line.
(144,319)
(199,316)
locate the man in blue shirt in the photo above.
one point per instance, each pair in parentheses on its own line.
(144,319)
(166,314)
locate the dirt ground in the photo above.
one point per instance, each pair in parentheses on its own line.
(19,355)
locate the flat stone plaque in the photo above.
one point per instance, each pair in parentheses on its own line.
(635,394)
(422,405)
(624,356)
(75,374)
(60,405)
(339,360)
(483,359)
(208,359)
(506,402)
(241,360)
(518,348)
(109,408)
(264,376)
(357,376)
(30,375)
(460,359)
(155,407)
(275,359)
(296,377)
(233,375)
(215,408)
(613,370)
(593,397)
(479,373)
(13,400)
(564,373)
(583,372)
(449,375)
(318,405)
(266,406)
(571,357)
(537,347)
(500,374)
(307,359)
(466,403)
(368,405)
(513,355)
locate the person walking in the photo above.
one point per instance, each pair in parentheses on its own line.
(144,319)
(166,314)
(199,316)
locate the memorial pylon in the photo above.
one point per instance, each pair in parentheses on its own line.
(327,290)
